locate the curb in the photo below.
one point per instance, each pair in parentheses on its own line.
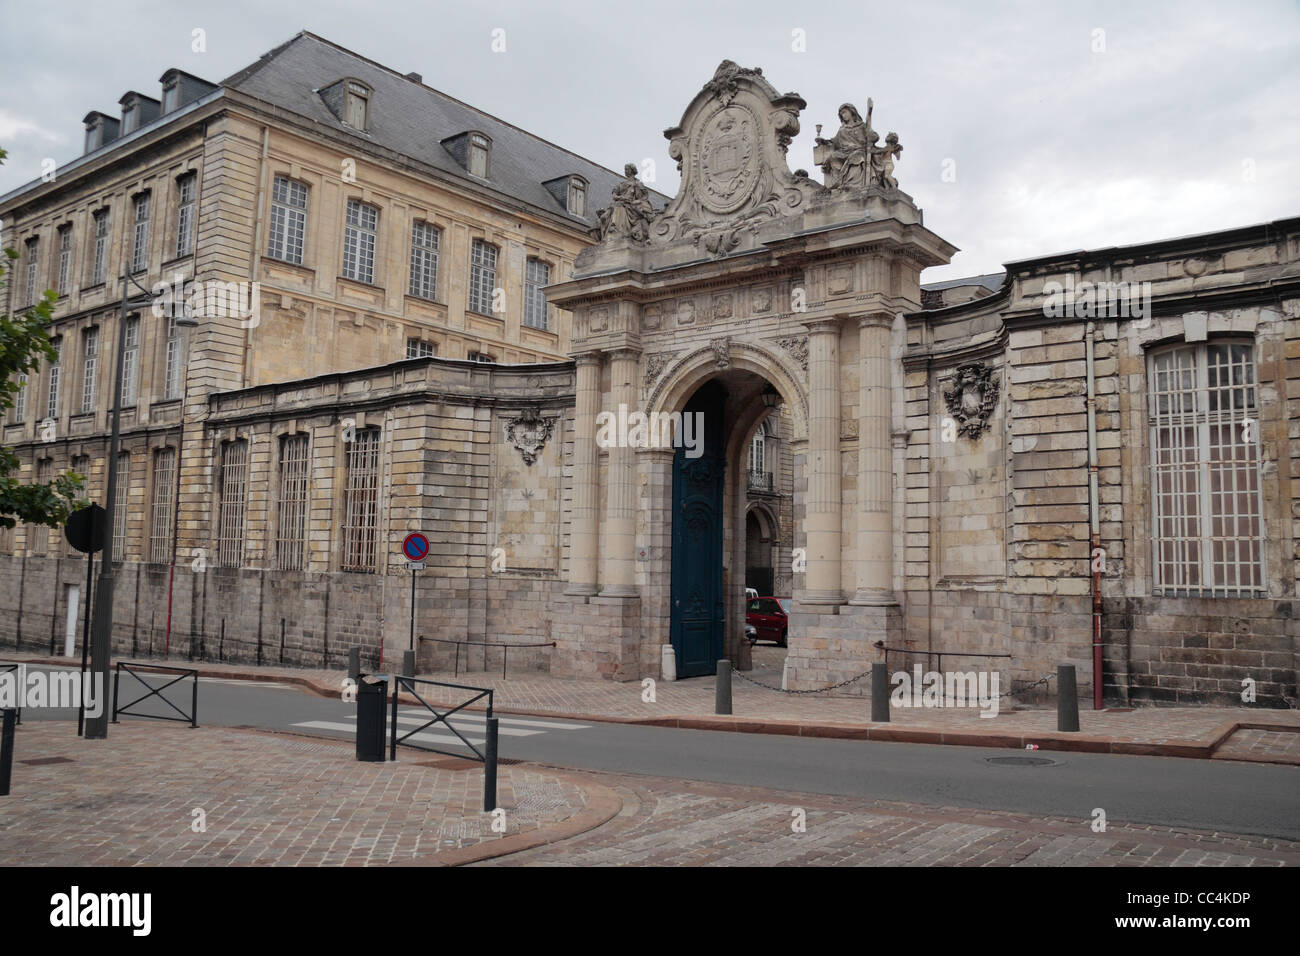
(1203,749)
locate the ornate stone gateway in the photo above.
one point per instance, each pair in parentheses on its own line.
(761,278)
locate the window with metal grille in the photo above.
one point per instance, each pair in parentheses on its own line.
(99,256)
(537,274)
(482,276)
(1207,510)
(478,155)
(89,368)
(131,361)
(424,260)
(39,534)
(291,535)
(19,413)
(65,260)
(140,243)
(161,510)
(288,220)
(121,501)
(232,503)
(52,393)
(419,348)
(359,242)
(32,249)
(172,366)
(185,187)
(361,502)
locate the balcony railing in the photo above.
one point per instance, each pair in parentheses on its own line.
(761,481)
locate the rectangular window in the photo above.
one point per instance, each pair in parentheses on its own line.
(482,276)
(354,105)
(89,368)
(1205,471)
(32,248)
(291,537)
(65,260)
(99,257)
(359,242)
(577,197)
(140,243)
(161,508)
(131,361)
(481,357)
(185,215)
(537,275)
(424,260)
(172,366)
(478,155)
(288,220)
(19,413)
(39,534)
(121,501)
(361,502)
(52,394)
(232,504)
(171,96)
(418,348)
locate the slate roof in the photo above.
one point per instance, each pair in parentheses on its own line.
(412,119)
(991,281)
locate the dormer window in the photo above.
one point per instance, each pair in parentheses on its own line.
(356,105)
(479,146)
(130,118)
(577,196)
(171,95)
(94,134)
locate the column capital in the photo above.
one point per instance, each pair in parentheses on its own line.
(631,352)
(829,324)
(876,320)
(593,357)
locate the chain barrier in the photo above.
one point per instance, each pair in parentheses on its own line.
(1042,681)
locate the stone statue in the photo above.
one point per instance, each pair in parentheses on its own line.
(630,213)
(851,159)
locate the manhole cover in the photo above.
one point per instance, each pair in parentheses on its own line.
(43,761)
(1022,761)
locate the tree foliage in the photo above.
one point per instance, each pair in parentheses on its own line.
(23,343)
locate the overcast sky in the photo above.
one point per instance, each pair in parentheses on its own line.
(1061,126)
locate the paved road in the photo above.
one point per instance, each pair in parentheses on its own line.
(1213,795)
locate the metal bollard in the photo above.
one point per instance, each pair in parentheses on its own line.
(6,750)
(408,663)
(722,689)
(879,693)
(354,663)
(1067,699)
(490,767)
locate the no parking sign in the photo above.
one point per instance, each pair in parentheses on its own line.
(415,546)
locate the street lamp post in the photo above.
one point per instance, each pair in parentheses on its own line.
(101,633)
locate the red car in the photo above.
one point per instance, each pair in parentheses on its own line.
(770,617)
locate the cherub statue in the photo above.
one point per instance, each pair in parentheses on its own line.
(882,161)
(630,211)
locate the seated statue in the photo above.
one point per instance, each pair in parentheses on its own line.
(630,213)
(846,158)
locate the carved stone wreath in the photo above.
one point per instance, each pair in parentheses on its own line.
(971,398)
(529,433)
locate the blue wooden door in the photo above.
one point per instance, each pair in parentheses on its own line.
(697,606)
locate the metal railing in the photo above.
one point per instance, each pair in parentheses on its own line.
(760,481)
(505,654)
(131,667)
(487,756)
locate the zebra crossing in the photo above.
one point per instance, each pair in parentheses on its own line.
(472,725)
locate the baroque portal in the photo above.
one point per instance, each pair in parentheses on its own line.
(753,284)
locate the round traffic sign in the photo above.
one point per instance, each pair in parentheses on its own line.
(415,546)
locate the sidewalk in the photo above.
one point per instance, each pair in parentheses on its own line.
(267,799)
(1232,733)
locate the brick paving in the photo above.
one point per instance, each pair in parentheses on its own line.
(681,823)
(1183,731)
(267,800)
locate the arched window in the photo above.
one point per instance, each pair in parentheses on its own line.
(758,451)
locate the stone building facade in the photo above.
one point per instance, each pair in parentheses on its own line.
(1088,456)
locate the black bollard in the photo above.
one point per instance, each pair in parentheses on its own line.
(879,693)
(722,689)
(354,663)
(1067,699)
(490,766)
(6,750)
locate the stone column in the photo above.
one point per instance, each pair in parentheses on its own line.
(584,536)
(823,522)
(620,499)
(875,531)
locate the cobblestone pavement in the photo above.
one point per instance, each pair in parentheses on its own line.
(682,823)
(541,694)
(265,800)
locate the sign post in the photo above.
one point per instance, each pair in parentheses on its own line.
(85,532)
(416,547)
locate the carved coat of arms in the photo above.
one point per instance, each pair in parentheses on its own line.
(971,398)
(529,433)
